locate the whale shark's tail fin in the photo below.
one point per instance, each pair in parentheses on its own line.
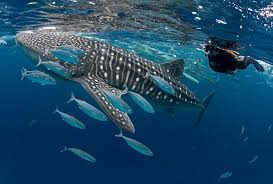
(205,103)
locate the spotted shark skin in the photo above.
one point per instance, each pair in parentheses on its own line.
(106,67)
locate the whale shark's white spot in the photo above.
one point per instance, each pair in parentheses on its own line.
(105,74)
(117,76)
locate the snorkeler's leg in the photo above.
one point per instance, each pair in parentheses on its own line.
(244,61)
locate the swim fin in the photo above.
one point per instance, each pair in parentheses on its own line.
(205,103)
(258,66)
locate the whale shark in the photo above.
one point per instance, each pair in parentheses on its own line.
(106,67)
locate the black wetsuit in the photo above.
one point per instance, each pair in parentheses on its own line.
(226,61)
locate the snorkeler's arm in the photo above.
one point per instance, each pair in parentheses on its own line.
(231,52)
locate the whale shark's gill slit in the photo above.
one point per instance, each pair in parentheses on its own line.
(95,86)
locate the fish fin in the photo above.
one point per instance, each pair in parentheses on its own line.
(56,110)
(95,86)
(174,68)
(72,98)
(191,78)
(64,149)
(24,72)
(149,108)
(39,61)
(205,103)
(120,134)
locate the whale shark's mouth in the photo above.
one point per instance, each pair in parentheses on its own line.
(23,38)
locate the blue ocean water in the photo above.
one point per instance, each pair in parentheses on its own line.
(31,137)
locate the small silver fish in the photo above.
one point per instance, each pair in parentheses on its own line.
(55,67)
(3,42)
(32,3)
(32,122)
(138,146)
(88,109)
(225,176)
(191,78)
(142,102)
(38,77)
(245,139)
(162,84)
(242,130)
(73,50)
(254,159)
(65,56)
(117,102)
(71,120)
(80,153)
(8,38)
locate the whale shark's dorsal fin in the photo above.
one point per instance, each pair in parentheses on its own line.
(95,86)
(174,68)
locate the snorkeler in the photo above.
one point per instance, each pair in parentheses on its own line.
(223,60)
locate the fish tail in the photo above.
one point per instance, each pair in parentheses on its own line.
(72,98)
(24,72)
(56,110)
(205,103)
(120,134)
(39,62)
(64,149)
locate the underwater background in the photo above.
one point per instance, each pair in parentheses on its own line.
(31,138)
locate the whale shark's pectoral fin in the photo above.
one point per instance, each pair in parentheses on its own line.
(95,87)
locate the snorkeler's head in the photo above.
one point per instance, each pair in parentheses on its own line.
(222,43)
